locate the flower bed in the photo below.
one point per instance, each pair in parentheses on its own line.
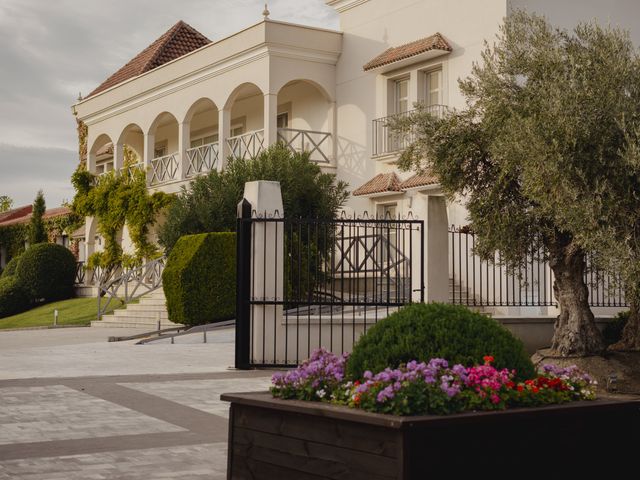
(420,388)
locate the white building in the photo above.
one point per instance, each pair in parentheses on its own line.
(185,104)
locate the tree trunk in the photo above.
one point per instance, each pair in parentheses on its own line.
(575,332)
(631,333)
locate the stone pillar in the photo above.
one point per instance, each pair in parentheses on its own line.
(91,162)
(118,156)
(184,142)
(224,132)
(437,250)
(148,151)
(267,278)
(270,119)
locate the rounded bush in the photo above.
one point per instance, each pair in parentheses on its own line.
(10,267)
(47,272)
(13,297)
(435,330)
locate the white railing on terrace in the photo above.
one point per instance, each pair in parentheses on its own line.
(202,159)
(164,169)
(318,144)
(248,145)
(130,169)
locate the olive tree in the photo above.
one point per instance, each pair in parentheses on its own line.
(482,154)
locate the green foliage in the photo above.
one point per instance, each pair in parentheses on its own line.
(11,267)
(6,203)
(425,331)
(200,278)
(612,332)
(210,204)
(12,237)
(14,298)
(37,232)
(47,272)
(116,199)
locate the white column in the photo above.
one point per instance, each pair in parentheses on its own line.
(437,250)
(184,141)
(148,151)
(333,129)
(118,156)
(91,162)
(270,119)
(224,132)
(267,271)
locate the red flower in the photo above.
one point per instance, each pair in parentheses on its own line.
(536,389)
(488,359)
(520,388)
(510,385)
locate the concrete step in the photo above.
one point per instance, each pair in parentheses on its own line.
(139,307)
(106,323)
(161,302)
(140,314)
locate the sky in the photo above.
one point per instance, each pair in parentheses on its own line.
(52,50)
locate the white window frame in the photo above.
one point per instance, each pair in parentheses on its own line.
(396,94)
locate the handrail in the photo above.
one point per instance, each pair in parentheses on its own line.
(132,284)
(202,159)
(311,141)
(164,168)
(247,145)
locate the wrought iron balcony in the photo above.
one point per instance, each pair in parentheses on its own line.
(386,142)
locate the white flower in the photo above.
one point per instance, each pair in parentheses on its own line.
(321,393)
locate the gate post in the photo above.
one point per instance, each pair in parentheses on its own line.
(437,258)
(243,285)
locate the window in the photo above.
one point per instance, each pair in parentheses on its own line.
(160,150)
(433,94)
(198,142)
(402,95)
(283,120)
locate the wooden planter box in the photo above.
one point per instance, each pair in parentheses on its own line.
(288,439)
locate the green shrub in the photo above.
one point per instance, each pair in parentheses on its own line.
(612,332)
(47,272)
(10,267)
(199,280)
(13,297)
(435,330)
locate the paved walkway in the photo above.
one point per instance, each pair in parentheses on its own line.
(73,406)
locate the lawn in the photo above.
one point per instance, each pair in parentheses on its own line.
(76,311)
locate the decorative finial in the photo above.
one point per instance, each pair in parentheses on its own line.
(79,96)
(266,12)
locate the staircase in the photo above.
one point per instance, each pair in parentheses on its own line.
(462,296)
(143,315)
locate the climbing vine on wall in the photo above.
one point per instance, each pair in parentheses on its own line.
(117,199)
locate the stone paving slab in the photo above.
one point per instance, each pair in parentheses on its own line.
(193,462)
(203,395)
(34,414)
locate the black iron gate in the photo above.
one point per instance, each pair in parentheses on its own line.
(309,283)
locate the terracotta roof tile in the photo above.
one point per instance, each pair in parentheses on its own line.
(24,215)
(423,180)
(381,183)
(15,213)
(394,54)
(176,42)
(106,149)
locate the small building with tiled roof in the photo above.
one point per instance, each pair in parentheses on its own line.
(425,48)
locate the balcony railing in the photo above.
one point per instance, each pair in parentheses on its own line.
(202,159)
(248,145)
(318,144)
(164,169)
(386,141)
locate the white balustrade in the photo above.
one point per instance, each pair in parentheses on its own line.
(164,169)
(247,145)
(317,144)
(202,159)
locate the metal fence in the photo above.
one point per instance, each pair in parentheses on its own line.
(309,283)
(478,282)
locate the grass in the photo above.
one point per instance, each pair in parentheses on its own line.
(76,311)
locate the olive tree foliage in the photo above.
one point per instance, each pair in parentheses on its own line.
(526,119)
(6,203)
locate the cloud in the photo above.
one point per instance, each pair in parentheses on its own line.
(53,50)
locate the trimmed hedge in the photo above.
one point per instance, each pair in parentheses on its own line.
(47,272)
(10,267)
(436,330)
(199,280)
(13,297)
